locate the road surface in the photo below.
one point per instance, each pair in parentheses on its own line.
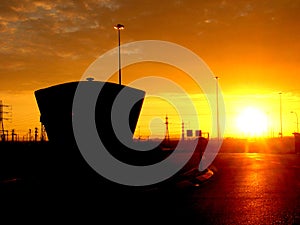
(247,188)
(250,189)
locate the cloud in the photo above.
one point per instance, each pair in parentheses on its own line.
(112,5)
(33,30)
(42,28)
(70,16)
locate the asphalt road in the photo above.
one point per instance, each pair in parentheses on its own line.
(250,189)
(247,188)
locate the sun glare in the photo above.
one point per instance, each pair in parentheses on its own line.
(252,122)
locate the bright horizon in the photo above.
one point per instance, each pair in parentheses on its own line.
(151,123)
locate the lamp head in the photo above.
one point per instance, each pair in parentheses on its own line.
(119,27)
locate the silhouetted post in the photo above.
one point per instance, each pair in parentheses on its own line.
(217,101)
(13,135)
(280,101)
(119,27)
(182,131)
(35,134)
(29,135)
(167,136)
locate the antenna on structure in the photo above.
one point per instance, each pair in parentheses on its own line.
(90,79)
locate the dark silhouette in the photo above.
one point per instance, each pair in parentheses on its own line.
(55,105)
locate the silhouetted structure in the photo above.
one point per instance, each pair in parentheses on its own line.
(167,136)
(13,135)
(56,104)
(3,136)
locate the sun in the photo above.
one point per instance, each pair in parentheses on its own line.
(252,122)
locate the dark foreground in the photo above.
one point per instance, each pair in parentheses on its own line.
(247,188)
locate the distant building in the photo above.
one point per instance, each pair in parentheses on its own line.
(189,133)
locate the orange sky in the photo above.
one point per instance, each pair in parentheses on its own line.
(253,46)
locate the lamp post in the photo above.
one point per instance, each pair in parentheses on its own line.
(280,93)
(297,120)
(217,101)
(119,27)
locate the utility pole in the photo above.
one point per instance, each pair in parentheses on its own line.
(29,135)
(217,102)
(280,105)
(182,131)
(13,135)
(167,137)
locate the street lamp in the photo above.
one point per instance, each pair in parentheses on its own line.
(119,27)
(217,101)
(280,93)
(297,121)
